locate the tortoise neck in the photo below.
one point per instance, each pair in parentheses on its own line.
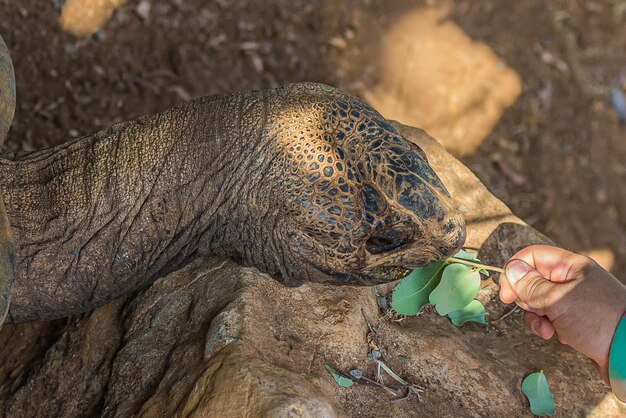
(106,214)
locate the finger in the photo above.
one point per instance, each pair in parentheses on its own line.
(527,308)
(506,293)
(539,325)
(553,263)
(530,286)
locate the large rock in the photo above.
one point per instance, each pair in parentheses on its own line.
(84,17)
(218,340)
(432,74)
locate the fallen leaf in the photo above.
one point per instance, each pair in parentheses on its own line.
(535,388)
(341,381)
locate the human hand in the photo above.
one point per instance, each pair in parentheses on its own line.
(566,293)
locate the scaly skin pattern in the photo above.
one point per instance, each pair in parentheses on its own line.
(305,183)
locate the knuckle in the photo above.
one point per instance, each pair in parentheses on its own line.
(531,286)
(538,292)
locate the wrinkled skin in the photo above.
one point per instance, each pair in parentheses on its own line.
(357,195)
(304,182)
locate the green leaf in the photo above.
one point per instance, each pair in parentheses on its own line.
(473,257)
(373,355)
(341,381)
(466,255)
(473,312)
(411,294)
(535,387)
(459,285)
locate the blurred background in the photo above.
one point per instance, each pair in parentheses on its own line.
(529,94)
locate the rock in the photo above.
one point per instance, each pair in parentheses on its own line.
(85,17)
(218,340)
(143,10)
(433,75)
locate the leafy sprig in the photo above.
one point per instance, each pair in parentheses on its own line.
(451,285)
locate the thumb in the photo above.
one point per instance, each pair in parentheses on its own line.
(529,285)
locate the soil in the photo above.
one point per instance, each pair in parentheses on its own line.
(556,157)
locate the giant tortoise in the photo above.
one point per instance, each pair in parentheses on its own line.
(304,182)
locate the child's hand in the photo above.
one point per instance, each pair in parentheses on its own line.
(569,294)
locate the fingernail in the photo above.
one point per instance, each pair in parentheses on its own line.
(515,270)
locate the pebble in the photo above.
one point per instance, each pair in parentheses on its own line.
(618,100)
(143,10)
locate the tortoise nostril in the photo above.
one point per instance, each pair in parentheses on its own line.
(387,240)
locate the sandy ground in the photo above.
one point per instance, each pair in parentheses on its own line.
(557,156)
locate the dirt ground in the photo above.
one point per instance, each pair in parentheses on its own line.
(557,157)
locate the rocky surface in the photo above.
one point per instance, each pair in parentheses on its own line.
(84,17)
(435,76)
(218,340)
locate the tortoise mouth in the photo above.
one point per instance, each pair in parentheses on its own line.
(396,263)
(370,277)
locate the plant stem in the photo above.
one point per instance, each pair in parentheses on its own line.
(477,265)
(509,313)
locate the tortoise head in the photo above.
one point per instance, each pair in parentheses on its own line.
(362,202)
